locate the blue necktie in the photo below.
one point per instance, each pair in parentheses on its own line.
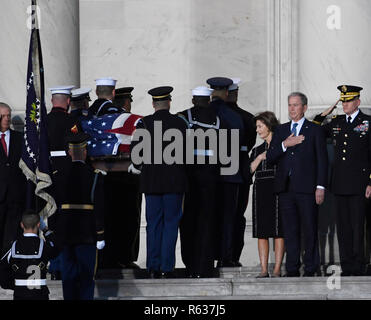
(293,130)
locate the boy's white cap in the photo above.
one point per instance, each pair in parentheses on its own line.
(234,86)
(202,91)
(62,90)
(106,82)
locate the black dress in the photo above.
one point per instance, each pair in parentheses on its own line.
(266,219)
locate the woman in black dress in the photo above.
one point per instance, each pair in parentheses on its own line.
(266,220)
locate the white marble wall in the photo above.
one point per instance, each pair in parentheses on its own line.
(147,43)
(331,57)
(59,32)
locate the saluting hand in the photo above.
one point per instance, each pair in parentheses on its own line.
(293,140)
(368,192)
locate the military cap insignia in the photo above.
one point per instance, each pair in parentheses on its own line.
(344,88)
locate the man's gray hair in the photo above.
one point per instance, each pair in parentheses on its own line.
(303,97)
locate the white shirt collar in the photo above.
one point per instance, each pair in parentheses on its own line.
(7,133)
(353,115)
(29,234)
(300,124)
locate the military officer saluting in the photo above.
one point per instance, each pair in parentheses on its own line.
(106,93)
(350,182)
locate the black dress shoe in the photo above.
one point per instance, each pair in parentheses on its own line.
(154,274)
(308,274)
(129,265)
(292,274)
(167,275)
(225,264)
(237,263)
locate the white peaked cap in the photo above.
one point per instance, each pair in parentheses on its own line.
(80,91)
(202,91)
(105,82)
(62,90)
(235,84)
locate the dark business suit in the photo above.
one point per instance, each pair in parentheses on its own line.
(12,190)
(299,171)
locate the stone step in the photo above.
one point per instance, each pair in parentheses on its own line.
(236,287)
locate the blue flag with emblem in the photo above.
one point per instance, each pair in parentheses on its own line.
(35,162)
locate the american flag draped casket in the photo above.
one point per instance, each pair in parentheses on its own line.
(110,134)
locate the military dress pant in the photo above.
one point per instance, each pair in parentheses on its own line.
(350,220)
(227,209)
(240,221)
(197,228)
(78,267)
(163,214)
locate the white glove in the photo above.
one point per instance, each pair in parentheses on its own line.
(101,244)
(43,225)
(132,170)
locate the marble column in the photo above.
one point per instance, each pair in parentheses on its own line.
(59,32)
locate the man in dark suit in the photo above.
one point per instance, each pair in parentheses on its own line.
(299,149)
(243,193)
(12,180)
(162,180)
(351,179)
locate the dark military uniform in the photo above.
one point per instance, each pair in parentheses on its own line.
(163,185)
(350,177)
(23,268)
(243,194)
(197,227)
(59,126)
(101,107)
(79,225)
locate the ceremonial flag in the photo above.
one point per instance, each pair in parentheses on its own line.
(110,133)
(35,162)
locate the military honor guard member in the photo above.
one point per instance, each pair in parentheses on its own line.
(105,90)
(23,268)
(228,184)
(124,98)
(80,99)
(243,194)
(298,148)
(163,186)
(124,202)
(197,230)
(351,179)
(59,123)
(12,180)
(80,222)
